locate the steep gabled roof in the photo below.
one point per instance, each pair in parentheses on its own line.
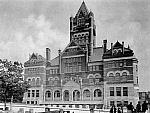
(73,44)
(33,56)
(83,9)
(97,54)
(117,44)
(55,61)
(124,52)
(35,60)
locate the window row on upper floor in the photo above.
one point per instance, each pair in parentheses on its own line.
(35,70)
(95,68)
(81,34)
(118,73)
(122,63)
(52,71)
(71,60)
(34,81)
(96,75)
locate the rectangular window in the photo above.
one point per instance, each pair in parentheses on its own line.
(28,102)
(83,106)
(118,103)
(97,80)
(70,106)
(37,93)
(57,105)
(28,93)
(35,102)
(32,102)
(79,68)
(112,103)
(90,68)
(97,68)
(76,106)
(125,91)
(118,91)
(111,91)
(94,67)
(33,93)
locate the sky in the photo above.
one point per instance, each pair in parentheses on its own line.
(28,26)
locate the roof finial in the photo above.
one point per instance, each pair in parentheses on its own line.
(128,46)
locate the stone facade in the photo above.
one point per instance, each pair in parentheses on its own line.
(83,74)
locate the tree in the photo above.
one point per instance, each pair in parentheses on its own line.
(12,85)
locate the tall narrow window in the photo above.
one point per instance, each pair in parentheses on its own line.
(37,93)
(37,81)
(33,93)
(97,93)
(86,93)
(125,91)
(112,91)
(118,91)
(28,93)
(48,94)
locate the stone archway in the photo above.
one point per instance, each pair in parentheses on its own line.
(76,95)
(66,95)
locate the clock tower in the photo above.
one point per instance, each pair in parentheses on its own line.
(83,29)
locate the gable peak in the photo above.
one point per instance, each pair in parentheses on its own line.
(83,9)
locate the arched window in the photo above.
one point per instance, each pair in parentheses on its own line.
(97,93)
(111,74)
(48,94)
(124,74)
(29,80)
(50,80)
(33,81)
(37,81)
(56,80)
(56,94)
(76,95)
(117,74)
(86,93)
(90,76)
(66,95)
(97,75)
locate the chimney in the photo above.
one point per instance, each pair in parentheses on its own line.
(104,45)
(123,47)
(112,48)
(59,53)
(48,54)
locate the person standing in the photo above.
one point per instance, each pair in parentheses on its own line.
(144,106)
(138,107)
(130,108)
(119,110)
(113,109)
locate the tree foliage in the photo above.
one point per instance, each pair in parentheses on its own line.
(12,85)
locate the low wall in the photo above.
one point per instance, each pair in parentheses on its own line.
(24,108)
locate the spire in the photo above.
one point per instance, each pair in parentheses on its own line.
(83,8)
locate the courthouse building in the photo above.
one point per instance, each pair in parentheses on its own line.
(82,74)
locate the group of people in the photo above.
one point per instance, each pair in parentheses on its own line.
(139,107)
(130,108)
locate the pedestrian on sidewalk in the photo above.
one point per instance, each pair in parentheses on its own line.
(138,107)
(144,106)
